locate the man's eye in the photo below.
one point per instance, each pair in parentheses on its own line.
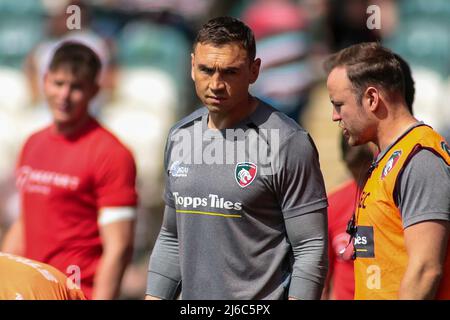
(228,72)
(207,71)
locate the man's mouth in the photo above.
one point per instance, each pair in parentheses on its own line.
(344,130)
(215,99)
(63,107)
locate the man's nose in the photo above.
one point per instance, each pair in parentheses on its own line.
(65,92)
(335,116)
(216,83)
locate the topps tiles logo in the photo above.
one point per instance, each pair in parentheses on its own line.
(230,146)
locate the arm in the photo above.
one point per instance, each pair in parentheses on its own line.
(425,216)
(14,241)
(303,201)
(328,289)
(426,244)
(115,191)
(328,285)
(117,240)
(149,297)
(164,274)
(307,234)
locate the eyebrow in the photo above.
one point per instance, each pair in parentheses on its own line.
(205,67)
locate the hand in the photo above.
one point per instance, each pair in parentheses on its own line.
(149,297)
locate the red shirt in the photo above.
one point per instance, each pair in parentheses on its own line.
(63,183)
(340,210)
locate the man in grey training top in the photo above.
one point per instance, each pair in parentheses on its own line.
(245,214)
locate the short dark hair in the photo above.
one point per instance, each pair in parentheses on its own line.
(369,63)
(79,58)
(410,90)
(224,30)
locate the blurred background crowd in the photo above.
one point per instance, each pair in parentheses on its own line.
(145,47)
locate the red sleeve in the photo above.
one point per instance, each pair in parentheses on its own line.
(115,179)
(331,256)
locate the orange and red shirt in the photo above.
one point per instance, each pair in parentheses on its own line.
(24,279)
(381,256)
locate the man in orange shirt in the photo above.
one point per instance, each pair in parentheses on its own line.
(340,283)
(401,226)
(24,279)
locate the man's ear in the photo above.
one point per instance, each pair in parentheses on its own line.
(45,82)
(95,89)
(192,66)
(372,98)
(254,70)
(45,78)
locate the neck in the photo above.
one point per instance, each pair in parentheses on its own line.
(219,120)
(391,128)
(69,129)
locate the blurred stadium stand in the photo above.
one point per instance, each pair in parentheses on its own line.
(146,44)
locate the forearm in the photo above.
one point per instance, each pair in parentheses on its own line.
(164,273)
(426,245)
(326,292)
(109,273)
(308,236)
(420,283)
(308,278)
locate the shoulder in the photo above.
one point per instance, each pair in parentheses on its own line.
(36,142)
(425,173)
(291,137)
(424,170)
(267,117)
(425,162)
(108,144)
(33,271)
(422,193)
(39,135)
(189,120)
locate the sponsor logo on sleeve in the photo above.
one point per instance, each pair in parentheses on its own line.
(245,173)
(177,170)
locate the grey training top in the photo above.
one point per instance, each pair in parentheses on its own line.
(424,189)
(236,198)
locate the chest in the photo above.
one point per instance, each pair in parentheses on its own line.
(56,170)
(228,187)
(376,206)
